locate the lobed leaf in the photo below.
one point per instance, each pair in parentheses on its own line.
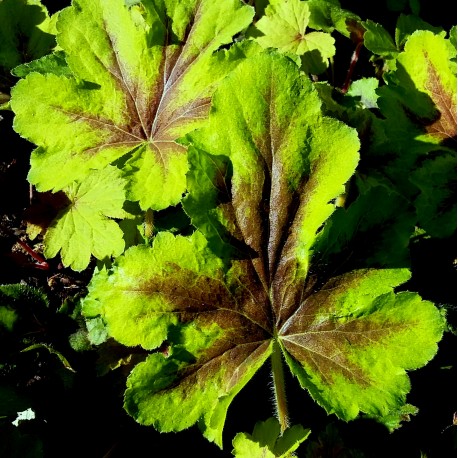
(267,441)
(273,166)
(350,342)
(83,227)
(419,100)
(141,77)
(284,28)
(436,203)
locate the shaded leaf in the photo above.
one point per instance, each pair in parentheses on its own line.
(378,40)
(419,106)
(26,33)
(373,231)
(53,351)
(408,24)
(327,15)
(436,204)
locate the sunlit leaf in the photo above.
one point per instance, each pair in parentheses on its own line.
(84,226)
(141,77)
(212,320)
(267,442)
(284,28)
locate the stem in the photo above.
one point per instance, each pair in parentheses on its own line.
(42,263)
(278,377)
(354,59)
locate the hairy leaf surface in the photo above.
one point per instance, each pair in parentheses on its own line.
(142,77)
(278,166)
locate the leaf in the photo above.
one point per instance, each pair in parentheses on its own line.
(378,40)
(52,63)
(203,198)
(142,77)
(284,26)
(327,15)
(8,317)
(26,33)
(83,227)
(419,106)
(21,295)
(350,343)
(436,203)
(51,350)
(393,420)
(266,440)
(214,321)
(372,231)
(365,88)
(25,415)
(408,24)
(419,100)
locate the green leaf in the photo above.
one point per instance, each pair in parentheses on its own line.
(266,440)
(420,97)
(83,227)
(419,106)
(8,317)
(373,231)
(393,420)
(327,15)
(214,321)
(52,63)
(436,203)
(142,77)
(203,198)
(365,89)
(350,343)
(51,350)
(11,401)
(22,295)
(452,36)
(26,33)
(284,26)
(378,40)
(408,24)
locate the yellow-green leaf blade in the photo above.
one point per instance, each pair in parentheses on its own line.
(84,227)
(351,342)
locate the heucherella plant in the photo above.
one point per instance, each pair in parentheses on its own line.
(298,213)
(264,172)
(137,79)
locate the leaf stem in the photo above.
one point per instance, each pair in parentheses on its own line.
(279,387)
(354,60)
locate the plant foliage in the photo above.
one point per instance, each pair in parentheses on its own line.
(242,207)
